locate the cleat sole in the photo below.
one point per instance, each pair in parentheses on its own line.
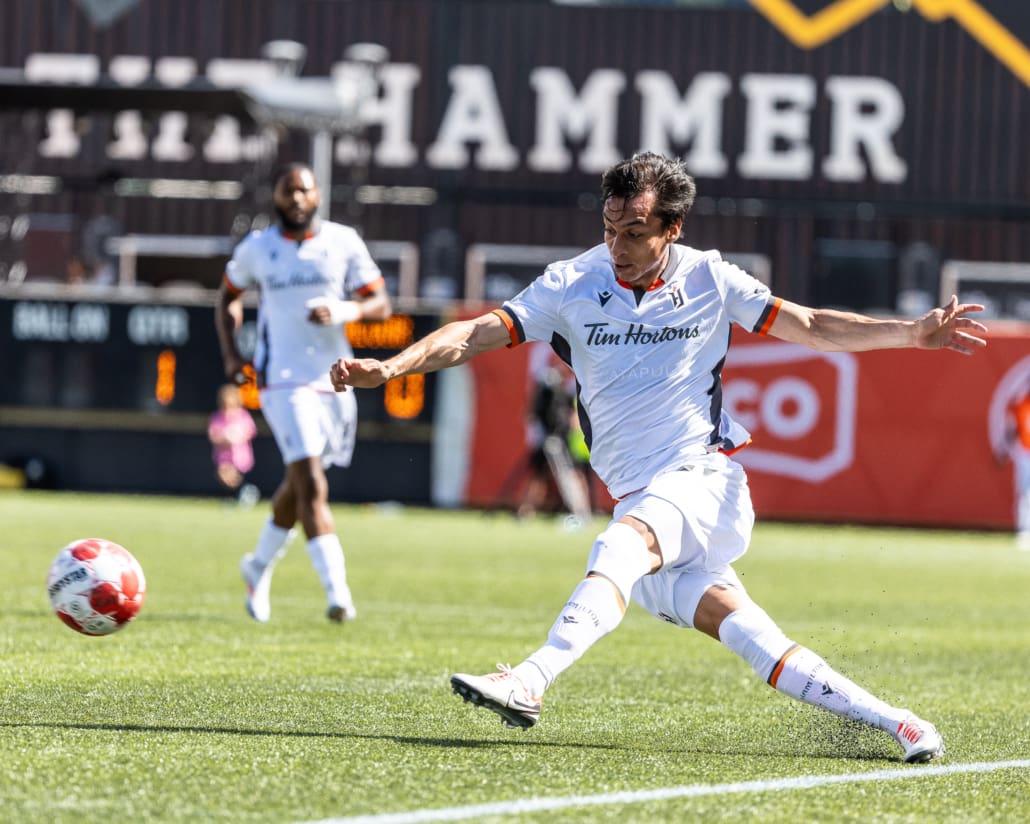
(509,717)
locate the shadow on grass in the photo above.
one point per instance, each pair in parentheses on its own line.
(398,739)
(844,747)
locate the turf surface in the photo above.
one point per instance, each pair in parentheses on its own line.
(195,713)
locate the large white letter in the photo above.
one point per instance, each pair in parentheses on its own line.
(777,128)
(592,117)
(473,116)
(866,111)
(392,112)
(387,104)
(694,120)
(226,144)
(62,140)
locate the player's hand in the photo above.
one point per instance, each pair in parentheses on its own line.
(948,328)
(234,369)
(363,373)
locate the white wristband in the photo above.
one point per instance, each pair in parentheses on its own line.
(340,311)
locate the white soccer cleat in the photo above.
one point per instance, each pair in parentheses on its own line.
(258,584)
(919,739)
(501,692)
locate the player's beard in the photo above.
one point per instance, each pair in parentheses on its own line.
(291,225)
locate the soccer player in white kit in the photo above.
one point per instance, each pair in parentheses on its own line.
(314,276)
(644,324)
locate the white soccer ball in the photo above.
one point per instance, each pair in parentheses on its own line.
(95,586)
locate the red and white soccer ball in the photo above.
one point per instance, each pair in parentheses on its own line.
(95,586)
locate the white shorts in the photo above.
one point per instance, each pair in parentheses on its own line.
(308,423)
(703,517)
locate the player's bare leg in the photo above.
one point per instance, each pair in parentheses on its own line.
(311,490)
(257,566)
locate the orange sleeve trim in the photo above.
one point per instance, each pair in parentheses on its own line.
(230,287)
(774,310)
(369,288)
(512,333)
(778,669)
(736,449)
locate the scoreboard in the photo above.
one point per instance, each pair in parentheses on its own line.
(163,358)
(111,390)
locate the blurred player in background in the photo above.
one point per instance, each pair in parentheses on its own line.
(314,277)
(1017,450)
(645,323)
(230,429)
(550,423)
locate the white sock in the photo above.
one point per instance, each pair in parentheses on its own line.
(799,672)
(327,559)
(805,676)
(594,609)
(271,544)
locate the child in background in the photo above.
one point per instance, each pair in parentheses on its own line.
(230,430)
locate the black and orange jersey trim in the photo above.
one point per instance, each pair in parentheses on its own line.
(369,288)
(230,287)
(768,316)
(515,331)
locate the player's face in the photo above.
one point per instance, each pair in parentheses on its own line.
(636,240)
(296,199)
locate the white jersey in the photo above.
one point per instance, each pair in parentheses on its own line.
(648,363)
(332,263)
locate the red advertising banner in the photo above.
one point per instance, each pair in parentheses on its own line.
(900,437)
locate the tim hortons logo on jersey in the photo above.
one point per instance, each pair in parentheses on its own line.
(782,112)
(636,334)
(798,405)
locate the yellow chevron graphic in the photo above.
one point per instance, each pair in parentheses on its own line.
(809,32)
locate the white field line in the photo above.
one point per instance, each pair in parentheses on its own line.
(536,805)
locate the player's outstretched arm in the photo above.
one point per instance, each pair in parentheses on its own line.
(449,345)
(829,330)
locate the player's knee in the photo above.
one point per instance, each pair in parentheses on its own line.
(621,555)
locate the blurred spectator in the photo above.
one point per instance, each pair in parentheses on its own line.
(1017,449)
(552,428)
(231,430)
(79,272)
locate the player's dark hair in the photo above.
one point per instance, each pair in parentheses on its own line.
(667,177)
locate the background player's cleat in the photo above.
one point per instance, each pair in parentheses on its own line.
(258,585)
(919,739)
(502,693)
(339,615)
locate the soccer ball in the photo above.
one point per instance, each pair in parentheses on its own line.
(95,586)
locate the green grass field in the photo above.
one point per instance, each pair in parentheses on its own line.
(195,713)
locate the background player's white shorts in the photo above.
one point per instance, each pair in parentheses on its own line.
(703,517)
(308,423)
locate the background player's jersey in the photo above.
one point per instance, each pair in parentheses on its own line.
(333,263)
(648,363)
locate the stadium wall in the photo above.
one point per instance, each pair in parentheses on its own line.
(896,437)
(856,150)
(899,437)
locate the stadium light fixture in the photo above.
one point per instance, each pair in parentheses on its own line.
(321,106)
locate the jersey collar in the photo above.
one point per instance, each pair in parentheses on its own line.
(293,236)
(659,281)
(658,284)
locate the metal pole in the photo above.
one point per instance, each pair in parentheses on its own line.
(322,166)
